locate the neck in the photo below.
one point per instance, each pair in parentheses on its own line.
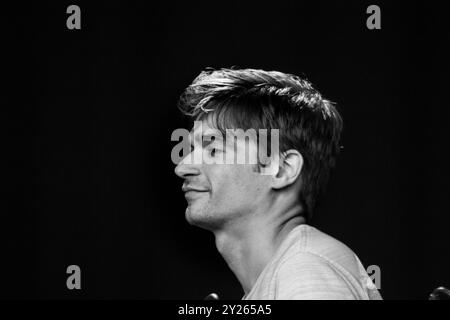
(248,246)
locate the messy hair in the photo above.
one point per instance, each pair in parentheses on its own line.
(258,99)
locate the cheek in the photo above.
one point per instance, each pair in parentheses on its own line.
(236,183)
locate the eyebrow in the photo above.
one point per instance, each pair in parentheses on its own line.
(205,143)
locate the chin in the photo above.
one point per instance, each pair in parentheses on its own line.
(198,218)
(188,216)
(192,216)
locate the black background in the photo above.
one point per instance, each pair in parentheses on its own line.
(87,117)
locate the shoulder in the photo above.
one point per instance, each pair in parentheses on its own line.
(306,275)
(317,266)
(314,244)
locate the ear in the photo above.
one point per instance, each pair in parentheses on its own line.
(290,167)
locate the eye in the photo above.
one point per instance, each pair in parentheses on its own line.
(214,151)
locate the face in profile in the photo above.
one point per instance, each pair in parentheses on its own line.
(220,193)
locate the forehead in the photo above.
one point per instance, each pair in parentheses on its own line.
(205,127)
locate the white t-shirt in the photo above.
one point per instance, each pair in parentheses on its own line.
(311,265)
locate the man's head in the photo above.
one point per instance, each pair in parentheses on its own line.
(309,135)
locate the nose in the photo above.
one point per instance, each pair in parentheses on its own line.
(184,170)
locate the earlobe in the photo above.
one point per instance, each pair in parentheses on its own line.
(290,167)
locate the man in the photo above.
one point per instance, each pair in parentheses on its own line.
(258,211)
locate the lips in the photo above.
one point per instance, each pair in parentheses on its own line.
(191,192)
(194,189)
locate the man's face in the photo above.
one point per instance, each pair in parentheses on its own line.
(220,194)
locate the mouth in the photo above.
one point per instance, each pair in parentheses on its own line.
(191,193)
(187,188)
